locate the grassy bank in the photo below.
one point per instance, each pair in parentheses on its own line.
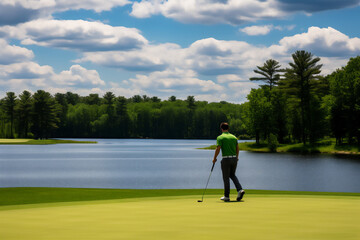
(326,146)
(176,214)
(39,142)
(20,196)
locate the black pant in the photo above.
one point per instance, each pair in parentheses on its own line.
(228,167)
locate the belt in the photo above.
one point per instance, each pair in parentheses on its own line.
(233,156)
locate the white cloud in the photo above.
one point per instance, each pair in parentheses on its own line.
(12,54)
(31,76)
(75,34)
(232,11)
(327,42)
(78,76)
(257,30)
(207,68)
(148,58)
(230,78)
(173,69)
(174,79)
(208,12)
(96,5)
(264,30)
(13,12)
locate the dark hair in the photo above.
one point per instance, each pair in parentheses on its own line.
(224,126)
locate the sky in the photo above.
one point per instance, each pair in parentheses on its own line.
(202,48)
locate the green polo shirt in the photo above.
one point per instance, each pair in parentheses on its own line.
(228,143)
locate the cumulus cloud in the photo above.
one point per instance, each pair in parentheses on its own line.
(311,6)
(327,42)
(96,5)
(12,54)
(13,12)
(176,81)
(75,34)
(257,30)
(231,11)
(205,69)
(226,78)
(148,58)
(79,77)
(32,76)
(208,12)
(216,57)
(264,30)
(173,69)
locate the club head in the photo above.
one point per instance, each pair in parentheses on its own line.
(199,200)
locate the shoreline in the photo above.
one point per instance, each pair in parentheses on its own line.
(16,141)
(318,148)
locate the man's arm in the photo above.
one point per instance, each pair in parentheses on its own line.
(237,151)
(217,151)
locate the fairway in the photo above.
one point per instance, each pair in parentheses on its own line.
(260,216)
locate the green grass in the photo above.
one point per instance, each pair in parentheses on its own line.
(39,142)
(176,214)
(20,196)
(324,146)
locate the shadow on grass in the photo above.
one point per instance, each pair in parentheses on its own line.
(303,149)
(347,147)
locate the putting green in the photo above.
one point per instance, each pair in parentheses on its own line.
(260,216)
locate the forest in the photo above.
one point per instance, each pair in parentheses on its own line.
(295,103)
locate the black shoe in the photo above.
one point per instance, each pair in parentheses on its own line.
(240,195)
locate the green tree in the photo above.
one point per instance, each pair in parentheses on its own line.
(172,99)
(345,110)
(123,120)
(8,106)
(60,98)
(109,99)
(259,113)
(191,102)
(269,71)
(155,99)
(92,99)
(45,114)
(190,120)
(136,99)
(299,81)
(146,98)
(72,98)
(279,114)
(23,110)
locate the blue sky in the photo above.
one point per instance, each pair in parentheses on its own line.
(204,48)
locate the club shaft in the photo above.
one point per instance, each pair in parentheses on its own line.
(212,168)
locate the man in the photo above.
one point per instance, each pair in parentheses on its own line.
(230,155)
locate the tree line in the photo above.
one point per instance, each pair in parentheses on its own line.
(296,104)
(69,115)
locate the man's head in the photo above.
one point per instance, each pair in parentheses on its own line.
(224,126)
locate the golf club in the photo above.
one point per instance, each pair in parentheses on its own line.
(202,198)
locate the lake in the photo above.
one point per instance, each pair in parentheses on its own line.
(163,164)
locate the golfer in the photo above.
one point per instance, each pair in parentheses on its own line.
(230,155)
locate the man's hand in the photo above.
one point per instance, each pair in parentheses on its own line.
(217,151)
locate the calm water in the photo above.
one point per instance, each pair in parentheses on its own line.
(145,163)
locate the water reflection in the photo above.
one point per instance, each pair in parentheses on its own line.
(146,163)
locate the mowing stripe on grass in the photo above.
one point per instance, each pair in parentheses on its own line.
(19,196)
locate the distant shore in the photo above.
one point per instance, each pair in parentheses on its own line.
(5,141)
(325,147)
